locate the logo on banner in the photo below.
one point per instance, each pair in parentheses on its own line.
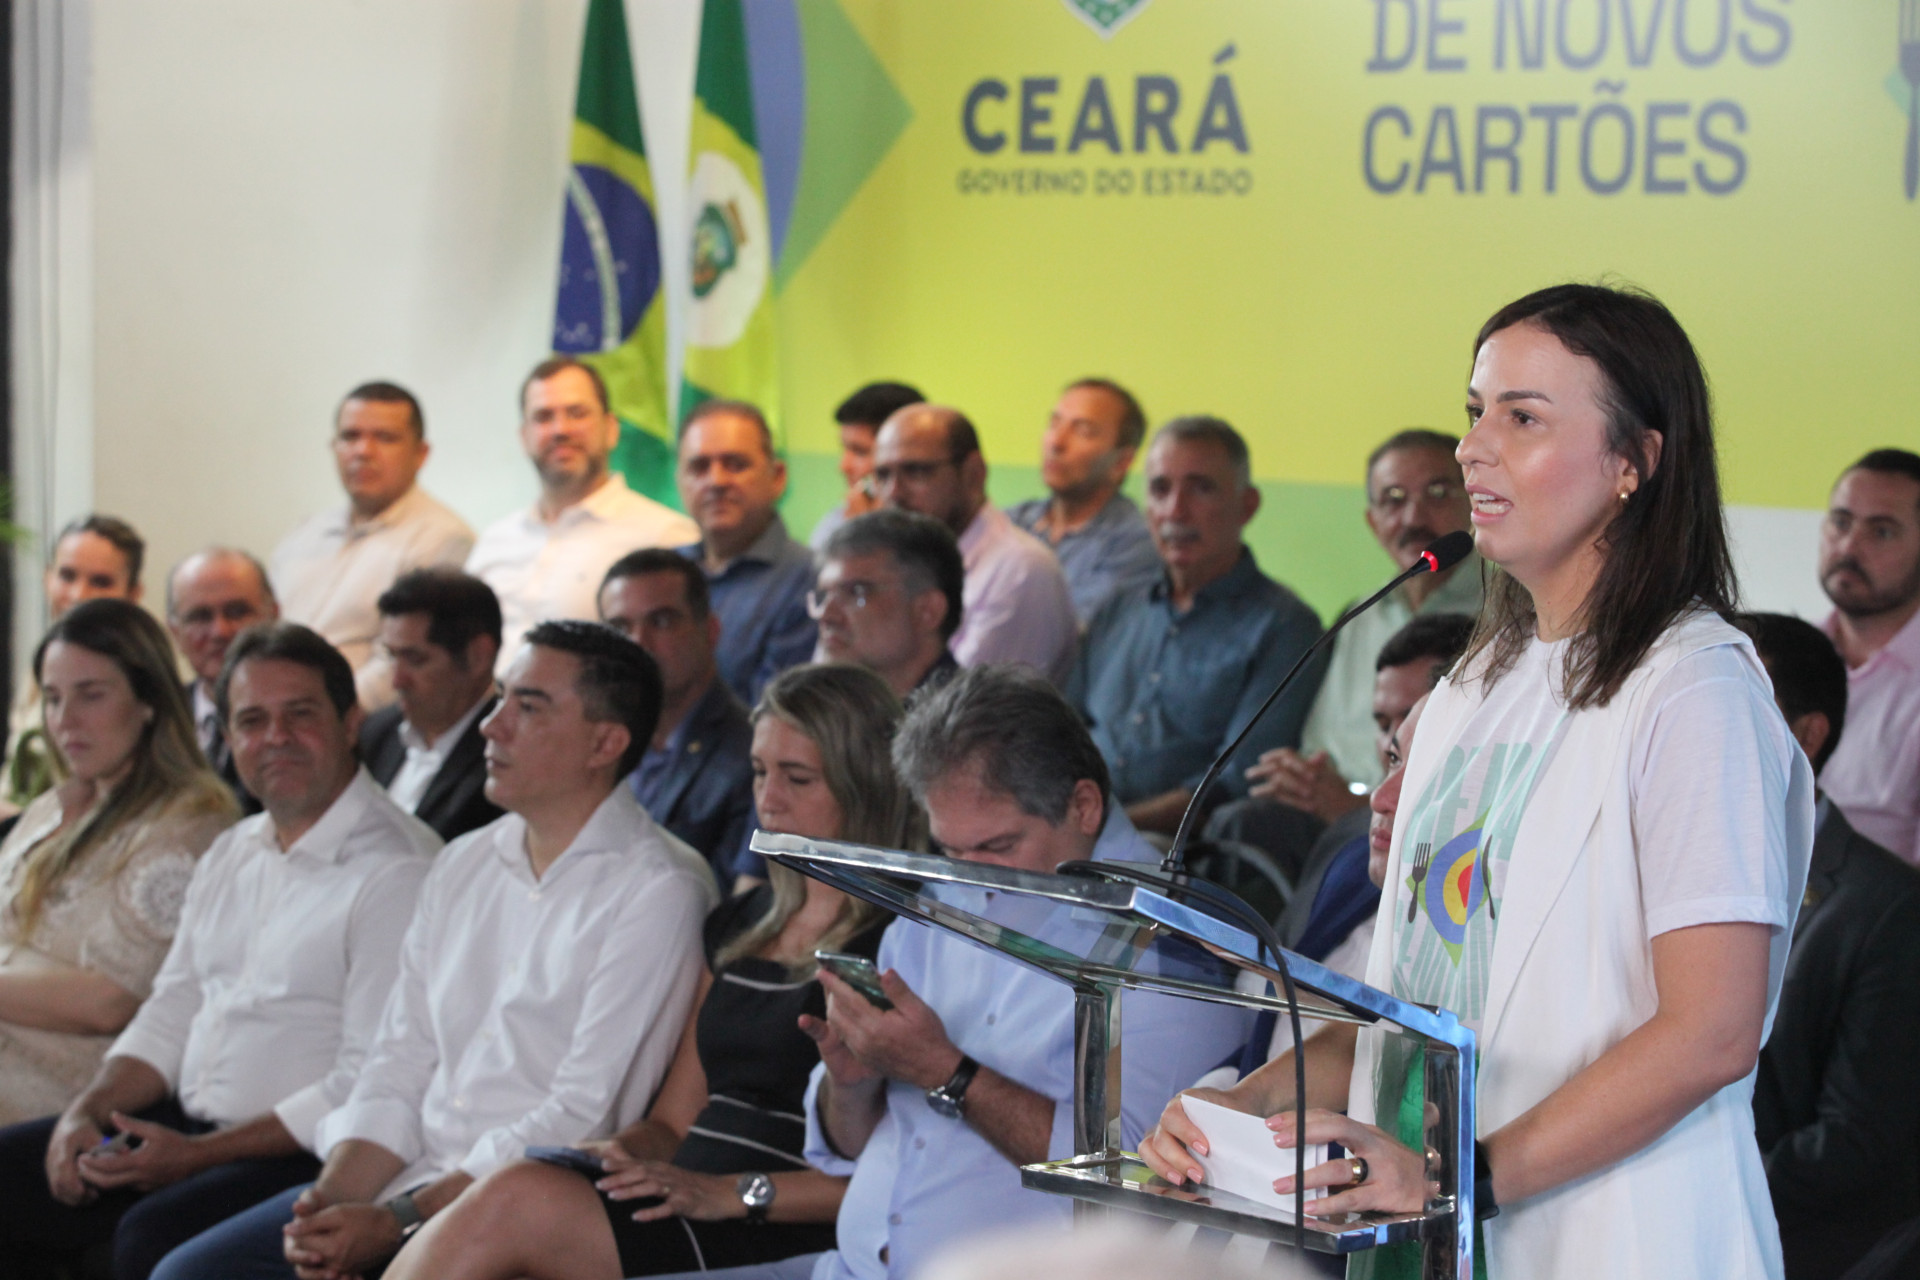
(1106,16)
(729,251)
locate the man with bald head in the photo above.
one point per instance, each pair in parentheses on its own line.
(1017,607)
(212,596)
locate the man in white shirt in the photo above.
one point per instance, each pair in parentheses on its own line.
(543,985)
(1018,609)
(547,561)
(263,1011)
(329,571)
(212,596)
(440,629)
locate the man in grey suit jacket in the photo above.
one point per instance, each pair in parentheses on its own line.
(441,631)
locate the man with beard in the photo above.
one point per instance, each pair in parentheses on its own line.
(546,561)
(1870,569)
(1172,671)
(1414,495)
(757,576)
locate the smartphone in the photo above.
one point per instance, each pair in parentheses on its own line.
(857,972)
(118,1143)
(582,1162)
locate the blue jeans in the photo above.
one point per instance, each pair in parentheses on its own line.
(244,1247)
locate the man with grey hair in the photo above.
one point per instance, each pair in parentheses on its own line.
(927,459)
(1172,671)
(212,596)
(888,596)
(932,1105)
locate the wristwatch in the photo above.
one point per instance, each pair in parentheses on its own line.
(756,1192)
(407,1212)
(950,1099)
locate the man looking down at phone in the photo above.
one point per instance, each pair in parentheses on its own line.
(933,1104)
(543,982)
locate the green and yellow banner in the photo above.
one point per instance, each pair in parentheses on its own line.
(730,348)
(610,311)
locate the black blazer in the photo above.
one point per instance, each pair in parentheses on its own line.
(455,802)
(220,757)
(1836,1103)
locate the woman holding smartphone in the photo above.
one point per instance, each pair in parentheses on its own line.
(1603,836)
(713,1176)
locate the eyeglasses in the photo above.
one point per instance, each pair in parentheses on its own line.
(848,595)
(911,472)
(1396,496)
(200,617)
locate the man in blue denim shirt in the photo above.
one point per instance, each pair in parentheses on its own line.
(1092,436)
(731,484)
(1170,672)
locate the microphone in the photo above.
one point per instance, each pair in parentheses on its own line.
(1442,554)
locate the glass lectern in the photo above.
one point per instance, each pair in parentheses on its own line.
(1100,934)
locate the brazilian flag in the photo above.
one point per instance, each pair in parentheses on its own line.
(730,340)
(610,312)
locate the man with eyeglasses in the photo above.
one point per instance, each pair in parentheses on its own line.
(888,596)
(1018,609)
(212,596)
(1415,494)
(696,775)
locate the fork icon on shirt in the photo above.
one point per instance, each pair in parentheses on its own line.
(1422,860)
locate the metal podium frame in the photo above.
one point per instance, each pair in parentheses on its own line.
(1137,924)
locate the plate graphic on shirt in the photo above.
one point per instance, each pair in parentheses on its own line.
(1454,889)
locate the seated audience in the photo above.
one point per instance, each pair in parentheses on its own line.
(212,596)
(440,631)
(714,1176)
(1094,432)
(1870,569)
(1834,1106)
(1336,896)
(265,1005)
(858,419)
(96,868)
(329,572)
(696,777)
(543,983)
(1415,494)
(731,483)
(1405,668)
(927,459)
(933,1105)
(94,557)
(1171,672)
(888,597)
(547,561)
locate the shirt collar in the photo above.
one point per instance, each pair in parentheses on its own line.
(618,825)
(603,503)
(326,839)
(1902,651)
(765,549)
(1234,582)
(417,742)
(985,523)
(396,511)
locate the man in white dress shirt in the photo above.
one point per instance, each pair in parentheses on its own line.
(330,570)
(1018,609)
(262,1013)
(547,561)
(543,984)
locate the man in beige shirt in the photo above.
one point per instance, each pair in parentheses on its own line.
(330,570)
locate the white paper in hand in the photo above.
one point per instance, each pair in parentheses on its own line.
(1241,1157)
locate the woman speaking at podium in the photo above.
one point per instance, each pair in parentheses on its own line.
(1602,838)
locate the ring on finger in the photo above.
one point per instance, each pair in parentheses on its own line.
(1357,1166)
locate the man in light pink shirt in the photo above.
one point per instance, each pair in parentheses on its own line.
(1870,569)
(1018,609)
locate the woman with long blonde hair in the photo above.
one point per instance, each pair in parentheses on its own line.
(93,875)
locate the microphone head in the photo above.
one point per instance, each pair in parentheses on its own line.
(1444,553)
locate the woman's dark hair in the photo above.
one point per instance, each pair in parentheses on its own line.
(1666,550)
